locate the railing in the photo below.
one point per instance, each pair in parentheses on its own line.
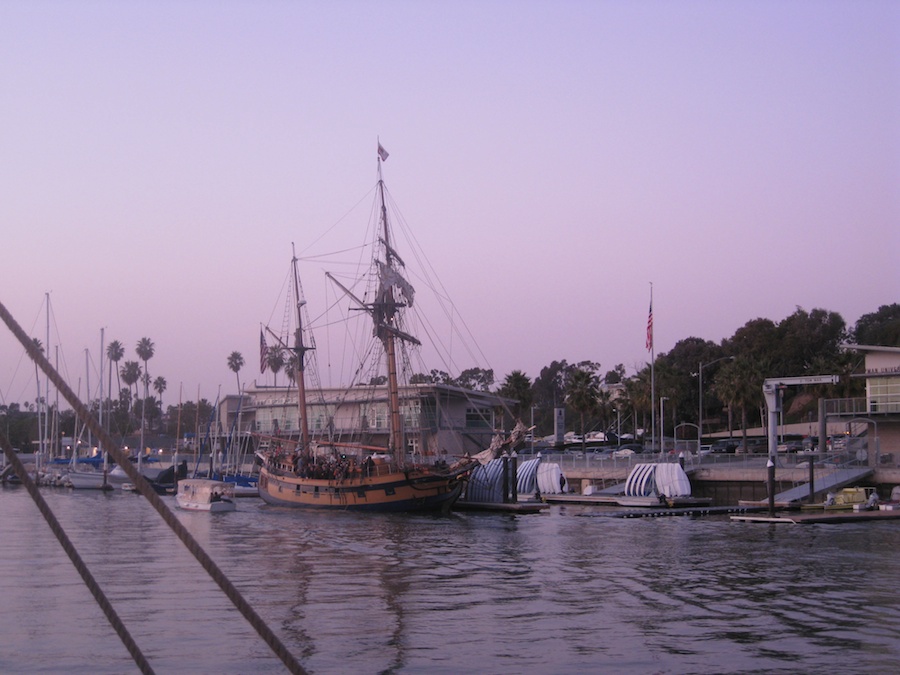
(588,460)
(873,405)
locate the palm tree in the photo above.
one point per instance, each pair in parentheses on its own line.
(275,361)
(235,363)
(517,386)
(131,373)
(739,384)
(291,369)
(37,378)
(145,350)
(159,386)
(114,352)
(582,391)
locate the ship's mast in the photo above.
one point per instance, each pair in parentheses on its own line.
(388,315)
(300,359)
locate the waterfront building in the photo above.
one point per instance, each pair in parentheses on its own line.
(877,414)
(439,420)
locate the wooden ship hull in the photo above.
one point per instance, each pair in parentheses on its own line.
(391,490)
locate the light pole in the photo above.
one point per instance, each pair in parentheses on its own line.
(619,425)
(700,416)
(532,430)
(662,425)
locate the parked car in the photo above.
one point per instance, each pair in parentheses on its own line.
(791,446)
(724,445)
(603,453)
(755,446)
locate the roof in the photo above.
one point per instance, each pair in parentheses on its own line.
(872,348)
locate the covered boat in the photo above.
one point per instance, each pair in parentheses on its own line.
(659,485)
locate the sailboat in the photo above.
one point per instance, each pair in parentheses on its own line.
(80,478)
(324,474)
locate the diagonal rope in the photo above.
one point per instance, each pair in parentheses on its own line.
(69,548)
(147,491)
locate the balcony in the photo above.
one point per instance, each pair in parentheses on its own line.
(862,406)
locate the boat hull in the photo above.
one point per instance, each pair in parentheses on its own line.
(397,491)
(215,507)
(198,494)
(88,480)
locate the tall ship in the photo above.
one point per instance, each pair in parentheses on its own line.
(318,470)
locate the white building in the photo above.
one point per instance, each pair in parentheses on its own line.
(439,421)
(877,414)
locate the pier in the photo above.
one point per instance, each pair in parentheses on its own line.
(730,479)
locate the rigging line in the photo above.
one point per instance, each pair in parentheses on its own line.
(111,615)
(150,495)
(430,276)
(321,256)
(340,220)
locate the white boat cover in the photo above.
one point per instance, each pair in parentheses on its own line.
(486,482)
(653,480)
(672,481)
(550,479)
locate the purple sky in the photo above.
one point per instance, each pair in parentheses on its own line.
(553,158)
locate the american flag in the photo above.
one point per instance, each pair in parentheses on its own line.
(382,153)
(263,353)
(650,328)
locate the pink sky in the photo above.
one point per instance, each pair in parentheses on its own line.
(554,159)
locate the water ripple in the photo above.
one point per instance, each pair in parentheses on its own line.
(469,592)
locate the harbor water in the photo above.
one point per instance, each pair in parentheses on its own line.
(567,590)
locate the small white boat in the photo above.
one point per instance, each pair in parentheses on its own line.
(202,494)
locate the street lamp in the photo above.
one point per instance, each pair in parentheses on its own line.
(700,417)
(532,430)
(662,425)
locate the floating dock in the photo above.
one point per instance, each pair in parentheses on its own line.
(825,517)
(501,507)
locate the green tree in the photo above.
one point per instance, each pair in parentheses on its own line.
(739,383)
(290,368)
(582,390)
(145,350)
(159,386)
(517,386)
(275,361)
(235,363)
(114,352)
(809,343)
(677,375)
(879,328)
(476,379)
(637,393)
(131,374)
(616,375)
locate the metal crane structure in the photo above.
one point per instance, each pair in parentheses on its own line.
(773,406)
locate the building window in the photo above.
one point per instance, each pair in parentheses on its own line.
(478,418)
(884,394)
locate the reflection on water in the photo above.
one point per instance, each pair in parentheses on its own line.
(563,591)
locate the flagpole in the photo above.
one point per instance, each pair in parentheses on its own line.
(651,346)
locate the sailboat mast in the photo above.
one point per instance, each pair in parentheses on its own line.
(300,360)
(388,314)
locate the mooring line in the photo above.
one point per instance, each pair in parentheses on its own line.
(149,493)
